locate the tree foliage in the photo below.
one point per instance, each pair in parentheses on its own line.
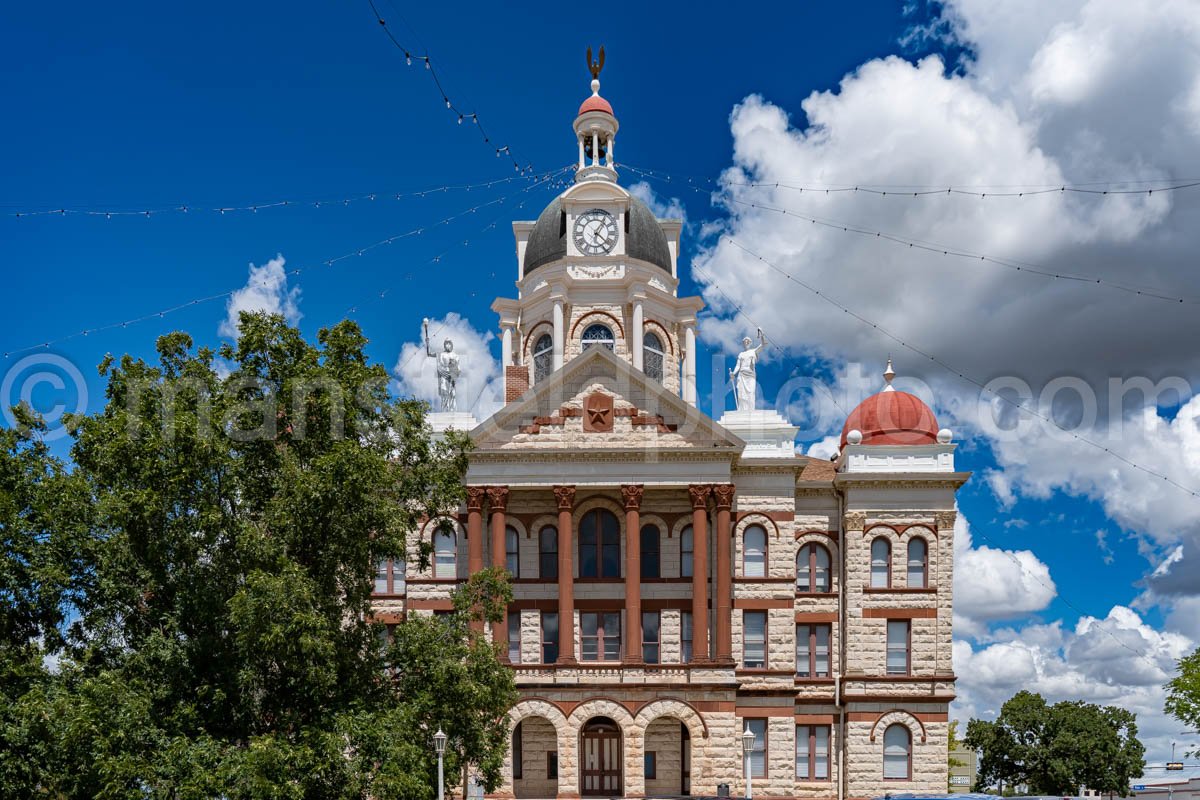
(1183,694)
(1058,749)
(190,602)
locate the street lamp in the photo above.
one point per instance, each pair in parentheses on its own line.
(439,744)
(747,749)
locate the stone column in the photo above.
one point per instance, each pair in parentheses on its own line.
(595,149)
(582,157)
(632,495)
(475,534)
(689,364)
(497,503)
(723,604)
(565,497)
(557,321)
(699,498)
(635,341)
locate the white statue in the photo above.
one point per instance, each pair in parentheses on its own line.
(447,371)
(743,375)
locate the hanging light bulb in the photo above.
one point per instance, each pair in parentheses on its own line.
(447,99)
(408,58)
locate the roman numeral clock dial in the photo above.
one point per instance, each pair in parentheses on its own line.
(595,232)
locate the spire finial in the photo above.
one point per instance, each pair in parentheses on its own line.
(594,67)
(888,374)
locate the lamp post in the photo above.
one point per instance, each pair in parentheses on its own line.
(439,744)
(747,749)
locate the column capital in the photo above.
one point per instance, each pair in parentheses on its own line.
(698,492)
(723,492)
(475,498)
(497,497)
(632,495)
(564,496)
(855,520)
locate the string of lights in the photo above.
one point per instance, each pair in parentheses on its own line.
(456,111)
(186,208)
(955,371)
(1026,267)
(329,262)
(1146,186)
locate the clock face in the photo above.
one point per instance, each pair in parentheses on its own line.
(595,232)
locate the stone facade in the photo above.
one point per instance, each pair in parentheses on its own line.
(671,521)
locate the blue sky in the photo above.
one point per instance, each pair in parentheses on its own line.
(152,106)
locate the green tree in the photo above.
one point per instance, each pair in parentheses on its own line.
(1058,749)
(226,517)
(1183,694)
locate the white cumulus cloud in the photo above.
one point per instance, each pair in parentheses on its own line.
(266,290)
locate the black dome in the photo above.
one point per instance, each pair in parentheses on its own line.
(644,239)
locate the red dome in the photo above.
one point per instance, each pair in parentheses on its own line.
(596,103)
(892,418)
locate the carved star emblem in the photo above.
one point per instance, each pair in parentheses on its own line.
(598,416)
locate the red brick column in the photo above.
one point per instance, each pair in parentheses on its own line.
(632,495)
(497,503)
(723,603)
(699,497)
(475,534)
(565,497)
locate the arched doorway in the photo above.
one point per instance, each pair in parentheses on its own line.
(600,744)
(534,745)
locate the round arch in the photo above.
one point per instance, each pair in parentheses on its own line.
(901,717)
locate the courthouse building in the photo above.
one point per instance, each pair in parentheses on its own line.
(679,580)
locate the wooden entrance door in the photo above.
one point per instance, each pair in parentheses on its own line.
(601,747)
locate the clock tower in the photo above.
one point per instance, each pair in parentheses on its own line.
(598,269)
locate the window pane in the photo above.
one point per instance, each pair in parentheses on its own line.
(587,560)
(548,553)
(754,639)
(802,733)
(897,647)
(650,636)
(514,637)
(917,551)
(821,569)
(512,551)
(758,754)
(821,746)
(651,562)
(803,653)
(821,655)
(612,636)
(381,573)
(597,335)
(685,552)
(549,637)
(896,742)
(803,569)
(755,542)
(543,358)
(685,644)
(880,562)
(444,555)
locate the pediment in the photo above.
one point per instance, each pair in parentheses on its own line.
(598,402)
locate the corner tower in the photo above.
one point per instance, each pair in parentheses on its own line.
(597,268)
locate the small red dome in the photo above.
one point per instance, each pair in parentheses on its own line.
(596,103)
(892,417)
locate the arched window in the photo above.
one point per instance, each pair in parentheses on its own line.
(754,552)
(881,563)
(687,551)
(653,357)
(512,551)
(444,555)
(651,552)
(812,569)
(918,563)
(548,552)
(543,357)
(598,335)
(897,753)
(599,545)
